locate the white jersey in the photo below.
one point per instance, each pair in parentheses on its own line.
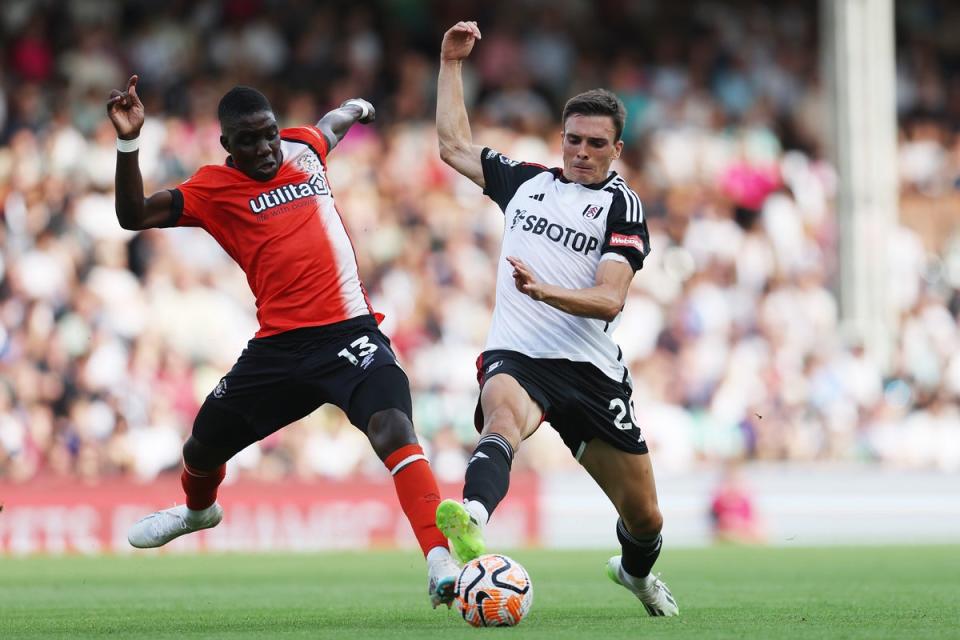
(561,230)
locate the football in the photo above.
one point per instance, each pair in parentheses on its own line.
(493,591)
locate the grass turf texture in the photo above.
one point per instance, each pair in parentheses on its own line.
(723,593)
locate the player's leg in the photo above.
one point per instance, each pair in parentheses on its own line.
(259,395)
(627,479)
(510,416)
(382,408)
(204,468)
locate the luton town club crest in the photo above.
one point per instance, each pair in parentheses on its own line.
(309,162)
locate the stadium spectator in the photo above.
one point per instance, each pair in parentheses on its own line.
(84,304)
(733,511)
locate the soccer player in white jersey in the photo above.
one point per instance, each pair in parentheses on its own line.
(573,238)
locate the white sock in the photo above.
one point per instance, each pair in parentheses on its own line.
(477,510)
(634,581)
(437,554)
(197,516)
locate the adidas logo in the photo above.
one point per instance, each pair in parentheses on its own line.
(477,456)
(537,196)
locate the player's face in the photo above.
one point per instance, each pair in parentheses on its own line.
(589,146)
(254,143)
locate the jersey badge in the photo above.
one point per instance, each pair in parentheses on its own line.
(309,162)
(592,211)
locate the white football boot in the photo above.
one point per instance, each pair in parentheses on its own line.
(442,574)
(159,528)
(651,590)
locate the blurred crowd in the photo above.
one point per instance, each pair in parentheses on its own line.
(110,340)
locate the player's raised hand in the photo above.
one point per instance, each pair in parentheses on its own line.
(367,113)
(524,279)
(126,110)
(458,41)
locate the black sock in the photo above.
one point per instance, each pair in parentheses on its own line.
(639,554)
(488,472)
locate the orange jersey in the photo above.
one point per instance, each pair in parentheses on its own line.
(286,235)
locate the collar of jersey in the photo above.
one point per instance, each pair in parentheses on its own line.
(596,186)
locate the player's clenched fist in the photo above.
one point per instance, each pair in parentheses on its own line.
(367,113)
(458,41)
(126,110)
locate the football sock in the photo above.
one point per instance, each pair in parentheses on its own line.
(488,472)
(639,554)
(418,493)
(438,554)
(476,509)
(201,486)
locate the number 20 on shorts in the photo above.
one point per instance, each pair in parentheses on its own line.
(618,405)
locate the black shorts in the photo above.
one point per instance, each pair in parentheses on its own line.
(284,377)
(578,400)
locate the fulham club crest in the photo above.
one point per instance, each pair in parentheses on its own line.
(592,211)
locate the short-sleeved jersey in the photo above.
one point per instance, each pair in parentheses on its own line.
(562,230)
(286,234)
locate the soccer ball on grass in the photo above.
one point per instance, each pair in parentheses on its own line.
(493,591)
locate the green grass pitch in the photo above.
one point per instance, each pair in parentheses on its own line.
(725,592)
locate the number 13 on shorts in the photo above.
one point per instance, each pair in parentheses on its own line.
(618,406)
(359,348)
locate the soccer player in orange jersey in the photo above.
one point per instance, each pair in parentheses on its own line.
(270,207)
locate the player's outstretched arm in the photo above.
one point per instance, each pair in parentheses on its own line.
(453,126)
(335,124)
(603,301)
(133,210)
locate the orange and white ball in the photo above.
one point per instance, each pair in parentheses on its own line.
(493,591)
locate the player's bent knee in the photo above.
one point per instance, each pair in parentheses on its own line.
(643,521)
(218,432)
(203,457)
(388,430)
(504,422)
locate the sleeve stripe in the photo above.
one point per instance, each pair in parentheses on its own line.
(634,209)
(626,201)
(629,205)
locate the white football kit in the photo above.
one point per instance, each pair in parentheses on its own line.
(562,230)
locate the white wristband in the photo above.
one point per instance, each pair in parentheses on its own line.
(127,146)
(364,109)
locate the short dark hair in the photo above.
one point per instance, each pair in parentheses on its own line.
(598,102)
(241,101)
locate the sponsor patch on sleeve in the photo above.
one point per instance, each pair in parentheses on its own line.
(620,240)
